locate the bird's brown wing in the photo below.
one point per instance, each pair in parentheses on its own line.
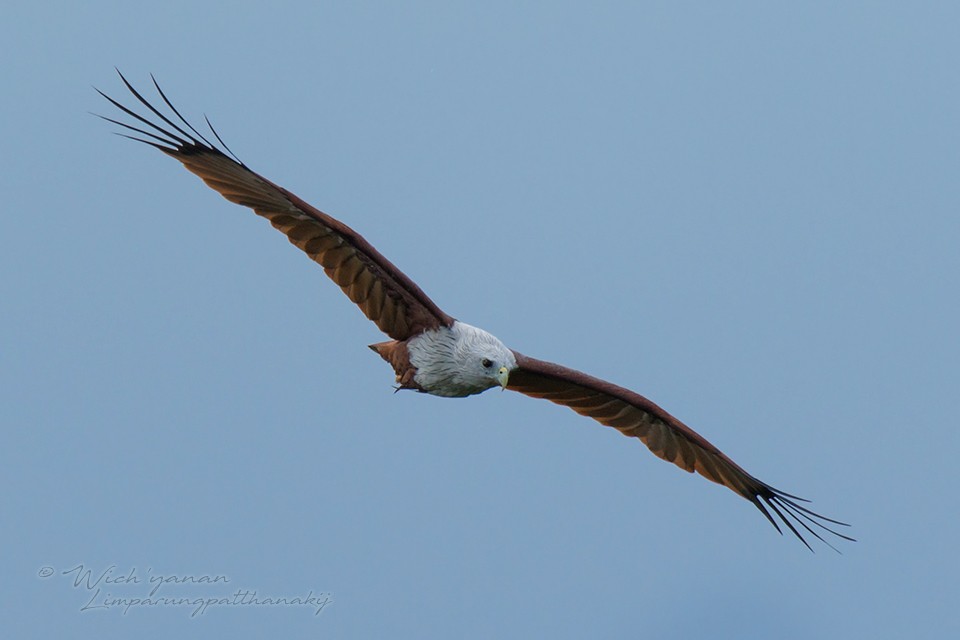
(384,293)
(667,437)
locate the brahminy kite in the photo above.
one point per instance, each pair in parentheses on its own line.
(432,352)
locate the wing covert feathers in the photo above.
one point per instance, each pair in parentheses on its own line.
(384,293)
(668,438)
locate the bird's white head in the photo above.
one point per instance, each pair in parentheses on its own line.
(460,361)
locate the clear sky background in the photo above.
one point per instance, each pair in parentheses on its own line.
(749,213)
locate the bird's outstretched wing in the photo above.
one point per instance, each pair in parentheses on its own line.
(384,293)
(667,437)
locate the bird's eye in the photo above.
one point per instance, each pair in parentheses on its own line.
(486,362)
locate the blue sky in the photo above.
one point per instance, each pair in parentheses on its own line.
(748,213)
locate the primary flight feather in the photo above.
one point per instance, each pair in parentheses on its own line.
(430,351)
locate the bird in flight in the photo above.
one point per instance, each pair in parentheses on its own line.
(434,353)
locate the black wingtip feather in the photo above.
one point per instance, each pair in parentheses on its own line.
(163,96)
(790,513)
(175,139)
(156,112)
(170,144)
(152,144)
(220,140)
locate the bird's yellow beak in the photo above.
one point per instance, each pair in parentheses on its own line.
(503,376)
